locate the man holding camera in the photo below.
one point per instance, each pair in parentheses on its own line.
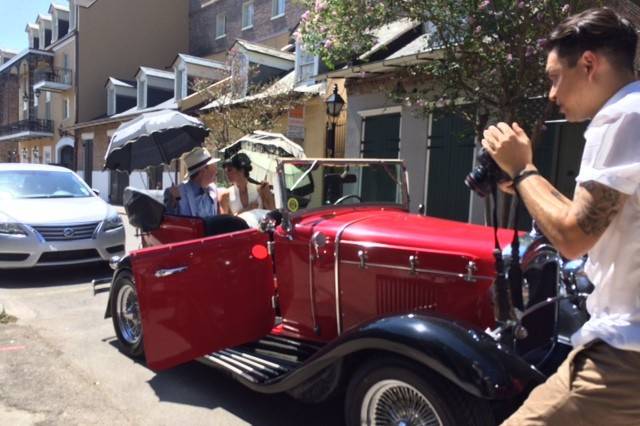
(590,64)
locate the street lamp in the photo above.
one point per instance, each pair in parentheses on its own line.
(334,103)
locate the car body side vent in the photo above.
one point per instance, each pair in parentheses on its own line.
(395,295)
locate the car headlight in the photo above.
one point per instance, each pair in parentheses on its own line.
(112,222)
(8,228)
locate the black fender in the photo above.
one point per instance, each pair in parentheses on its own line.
(124,263)
(465,356)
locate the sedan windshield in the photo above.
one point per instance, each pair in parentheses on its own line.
(41,184)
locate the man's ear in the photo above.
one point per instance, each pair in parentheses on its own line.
(589,61)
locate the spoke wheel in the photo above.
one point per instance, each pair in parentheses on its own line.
(390,390)
(129,320)
(125,313)
(395,403)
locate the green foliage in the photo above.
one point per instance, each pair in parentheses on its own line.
(486,53)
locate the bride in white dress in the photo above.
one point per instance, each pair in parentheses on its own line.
(245,193)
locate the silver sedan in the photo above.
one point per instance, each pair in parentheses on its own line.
(49,216)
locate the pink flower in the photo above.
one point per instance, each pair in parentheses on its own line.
(320,5)
(305,16)
(328,44)
(565,8)
(484,4)
(509,57)
(478,29)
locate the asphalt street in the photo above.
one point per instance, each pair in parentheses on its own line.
(60,365)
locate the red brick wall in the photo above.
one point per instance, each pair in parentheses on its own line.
(202,24)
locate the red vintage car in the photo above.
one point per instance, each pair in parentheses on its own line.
(342,289)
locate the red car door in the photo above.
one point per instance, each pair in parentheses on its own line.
(200,296)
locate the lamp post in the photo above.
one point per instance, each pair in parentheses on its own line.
(334,103)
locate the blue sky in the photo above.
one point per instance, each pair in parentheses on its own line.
(14,17)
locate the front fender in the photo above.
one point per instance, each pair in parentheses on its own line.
(465,356)
(124,263)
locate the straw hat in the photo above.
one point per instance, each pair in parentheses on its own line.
(197,159)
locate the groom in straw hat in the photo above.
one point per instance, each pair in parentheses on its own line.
(198,195)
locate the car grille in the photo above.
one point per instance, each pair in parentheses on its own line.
(67,232)
(68,255)
(13,257)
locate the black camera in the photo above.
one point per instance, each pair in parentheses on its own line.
(485,175)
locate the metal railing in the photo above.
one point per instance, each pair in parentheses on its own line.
(29,125)
(55,75)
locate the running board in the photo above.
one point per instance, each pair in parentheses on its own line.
(262,361)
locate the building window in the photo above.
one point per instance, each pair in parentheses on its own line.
(65,108)
(47,106)
(247,15)
(142,94)
(111,101)
(221,25)
(306,64)
(277,8)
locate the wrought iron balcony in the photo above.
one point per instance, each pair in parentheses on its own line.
(26,129)
(53,80)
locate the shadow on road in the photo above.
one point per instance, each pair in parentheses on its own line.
(53,276)
(198,384)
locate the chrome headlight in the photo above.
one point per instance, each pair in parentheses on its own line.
(9,228)
(112,222)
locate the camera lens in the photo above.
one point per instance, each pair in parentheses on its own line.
(477,181)
(486,174)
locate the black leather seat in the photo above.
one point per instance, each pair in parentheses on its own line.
(222,224)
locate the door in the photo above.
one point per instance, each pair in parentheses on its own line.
(203,295)
(381,140)
(118,182)
(450,160)
(66,157)
(88,161)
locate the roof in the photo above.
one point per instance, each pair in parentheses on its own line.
(153,72)
(259,48)
(201,96)
(419,50)
(32,26)
(201,61)
(389,33)
(60,7)
(21,55)
(122,83)
(43,17)
(281,87)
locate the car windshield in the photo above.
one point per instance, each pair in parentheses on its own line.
(16,184)
(311,184)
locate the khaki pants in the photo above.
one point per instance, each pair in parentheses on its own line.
(595,385)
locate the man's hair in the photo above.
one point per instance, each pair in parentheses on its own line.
(598,29)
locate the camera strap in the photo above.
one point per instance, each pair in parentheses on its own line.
(502,297)
(515,269)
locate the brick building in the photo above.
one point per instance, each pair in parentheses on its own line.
(215,25)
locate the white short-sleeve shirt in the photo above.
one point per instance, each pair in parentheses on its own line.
(612,158)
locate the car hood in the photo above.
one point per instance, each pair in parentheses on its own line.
(51,211)
(401,229)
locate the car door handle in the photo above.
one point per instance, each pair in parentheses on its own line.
(161,273)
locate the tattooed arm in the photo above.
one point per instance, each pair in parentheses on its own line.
(573,226)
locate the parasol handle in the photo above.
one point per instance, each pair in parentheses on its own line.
(163,155)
